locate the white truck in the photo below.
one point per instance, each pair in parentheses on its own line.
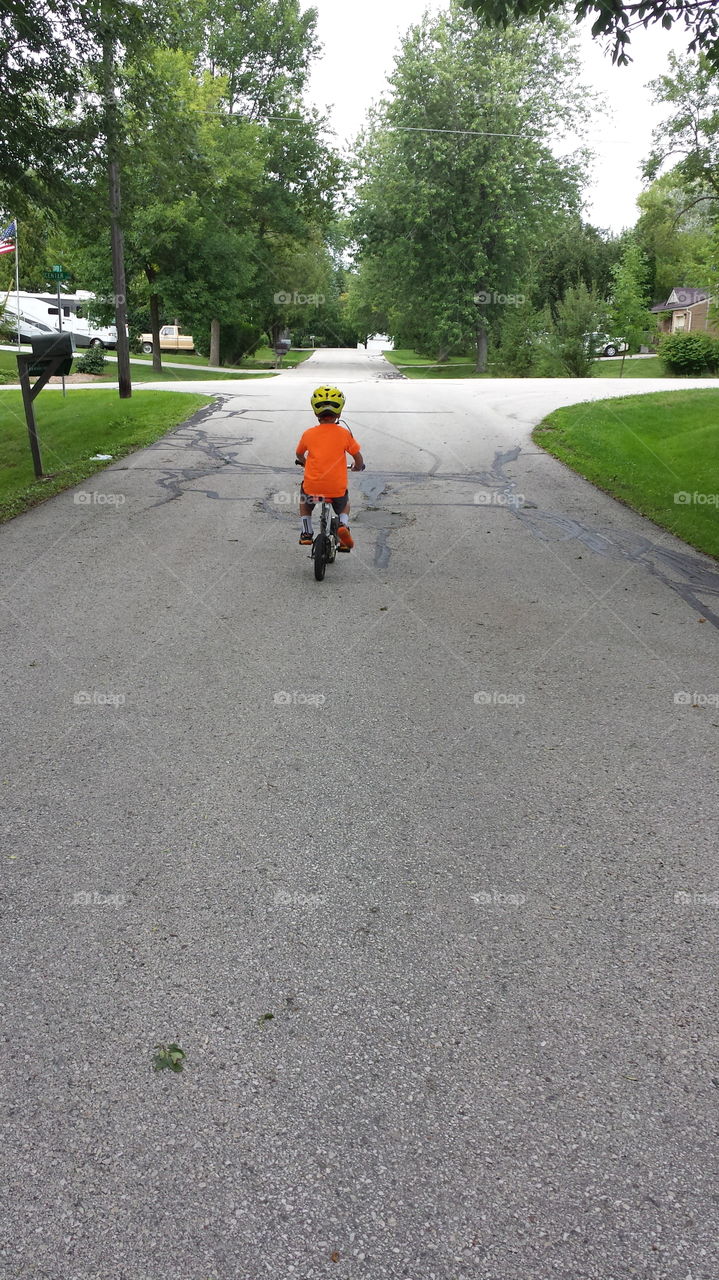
(170,340)
(40,313)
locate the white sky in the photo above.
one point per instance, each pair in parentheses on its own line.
(361,39)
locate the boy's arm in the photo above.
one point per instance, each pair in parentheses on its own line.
(358,463)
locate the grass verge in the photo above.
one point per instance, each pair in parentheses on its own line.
(71,430)
(138,372)
(645,450)
(413,365)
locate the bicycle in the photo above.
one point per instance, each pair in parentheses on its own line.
(326,543)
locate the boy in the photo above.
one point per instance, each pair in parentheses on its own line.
(322,451)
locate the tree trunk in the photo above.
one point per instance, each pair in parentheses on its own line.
(155,330)
(621,371)
(116,238)
(215,342)
(442,355)
(481,347)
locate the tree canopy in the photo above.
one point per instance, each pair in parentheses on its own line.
(615,21)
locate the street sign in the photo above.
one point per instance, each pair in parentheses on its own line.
(59,273)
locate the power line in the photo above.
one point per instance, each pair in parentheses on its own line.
(469,133)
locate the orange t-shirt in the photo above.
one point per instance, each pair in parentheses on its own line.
(326,465)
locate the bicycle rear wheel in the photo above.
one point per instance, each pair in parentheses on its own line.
(319,555)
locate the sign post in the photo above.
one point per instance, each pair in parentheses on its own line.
(51,354)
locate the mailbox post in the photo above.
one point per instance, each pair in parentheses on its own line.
(282,346)
(51,354)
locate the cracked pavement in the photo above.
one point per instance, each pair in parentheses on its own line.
(441,816)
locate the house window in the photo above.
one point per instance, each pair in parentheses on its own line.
(679,321)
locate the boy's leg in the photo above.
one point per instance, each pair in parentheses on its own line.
(306,531)
(342,508)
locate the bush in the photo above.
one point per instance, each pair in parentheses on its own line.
(520,353)
(237,341)
(689,354)
(93,361)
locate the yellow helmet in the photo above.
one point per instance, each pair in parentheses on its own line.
(327,399)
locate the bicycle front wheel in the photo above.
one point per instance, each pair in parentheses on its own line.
(319,555)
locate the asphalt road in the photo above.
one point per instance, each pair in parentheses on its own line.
(418,864)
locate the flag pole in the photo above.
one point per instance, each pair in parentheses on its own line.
(17,283)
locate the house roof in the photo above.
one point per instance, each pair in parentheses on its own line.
(680,298)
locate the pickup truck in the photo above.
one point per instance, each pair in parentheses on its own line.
(170,340)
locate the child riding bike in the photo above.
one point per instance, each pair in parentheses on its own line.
(322,451)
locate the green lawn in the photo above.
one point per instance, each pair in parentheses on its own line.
(402,357)
(264,358)
(413,365)
(138,372)
(71,430)
(645,449)
(612,368)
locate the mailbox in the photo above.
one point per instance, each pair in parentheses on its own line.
(51,346)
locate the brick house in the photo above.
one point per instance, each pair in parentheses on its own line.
(686,311)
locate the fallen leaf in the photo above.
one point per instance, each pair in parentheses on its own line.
(334,1257)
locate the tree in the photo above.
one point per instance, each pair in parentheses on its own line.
(262,49)
(40,75)
(691,131)
(522,338)
(569,349)
(573,252)
(675,234)
(458,185)
(615,20)
(629,316)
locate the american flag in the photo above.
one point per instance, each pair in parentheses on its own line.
(7,238)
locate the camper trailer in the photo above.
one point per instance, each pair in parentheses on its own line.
(44,313)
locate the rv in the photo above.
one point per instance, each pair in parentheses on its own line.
(40,313)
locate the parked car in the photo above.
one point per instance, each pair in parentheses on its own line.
(603,345)
(170,340)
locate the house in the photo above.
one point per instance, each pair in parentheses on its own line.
(686,311)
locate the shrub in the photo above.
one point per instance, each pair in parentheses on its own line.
(519,353)
(93,361)
(689,354)
(237,340)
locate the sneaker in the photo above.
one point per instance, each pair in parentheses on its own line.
(306,539)
(346,540)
